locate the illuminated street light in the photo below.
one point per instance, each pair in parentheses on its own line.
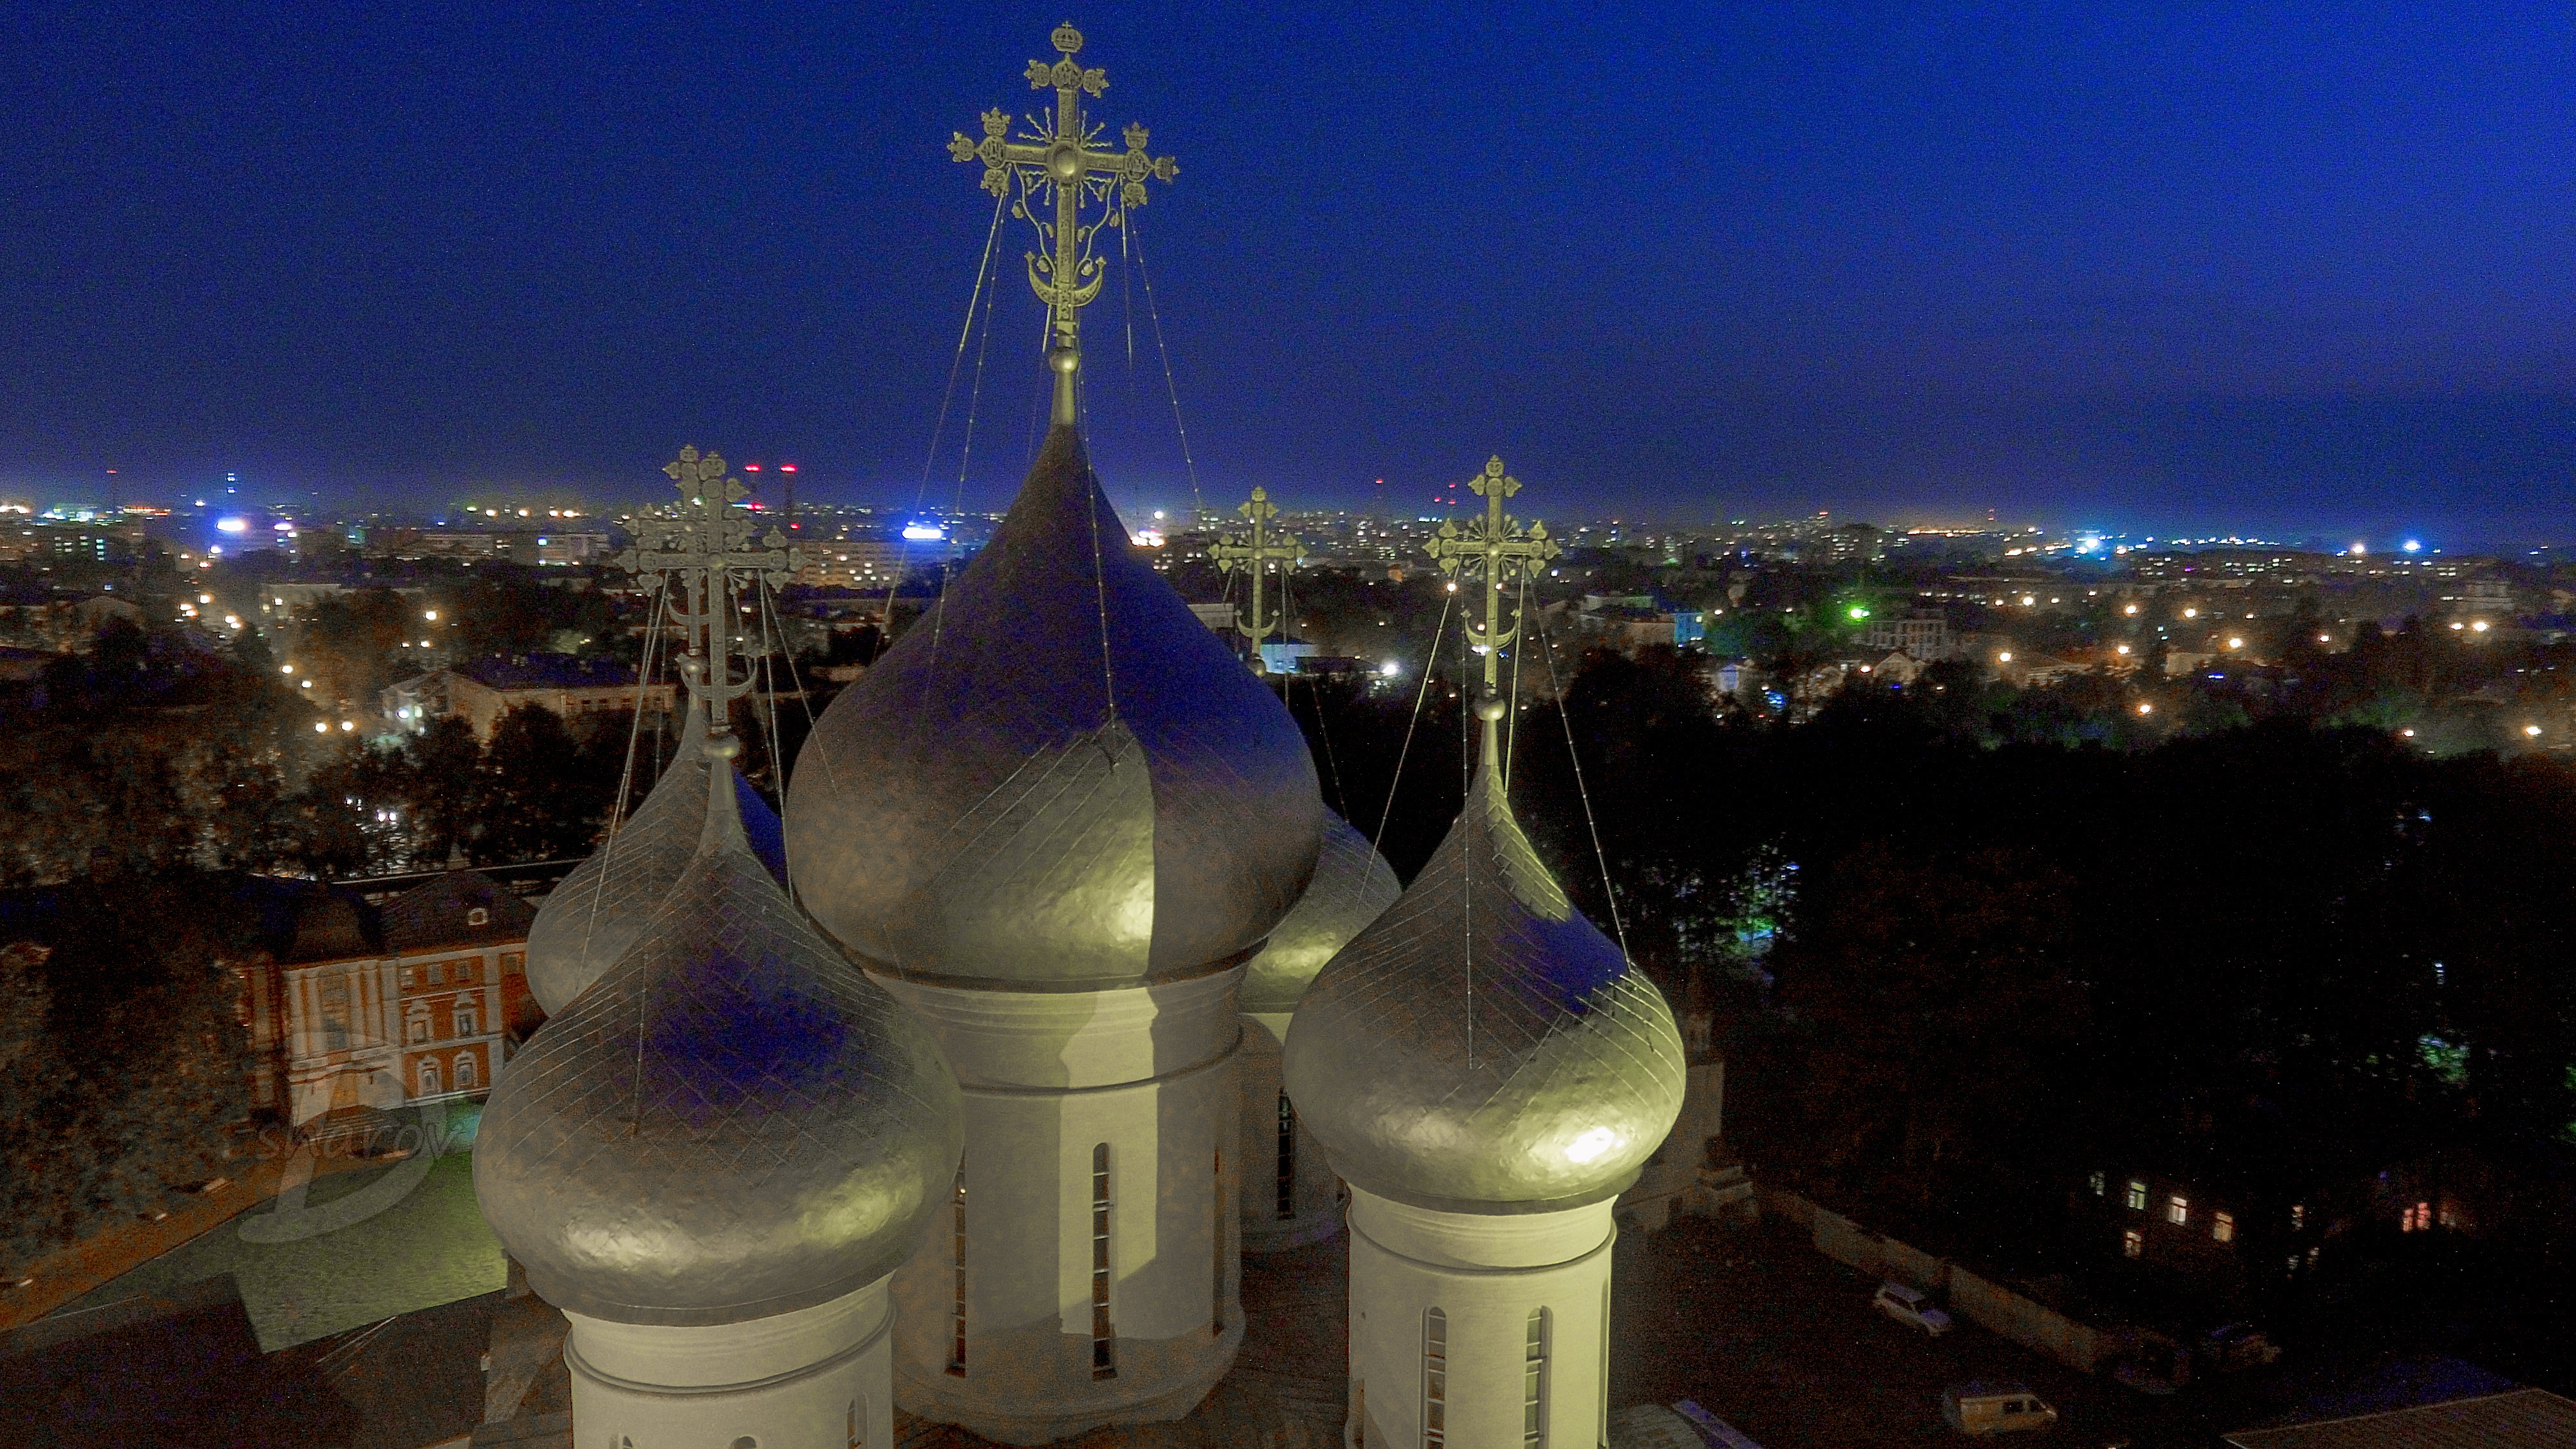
(2235,643)
(321,728)
(431,615)
(348,724)
(2479,627)
(2191,613)
(2124,648)
(2027,601)
(2144,708)
(2532,731)
(2130,610)
(290,669)
(2004,658)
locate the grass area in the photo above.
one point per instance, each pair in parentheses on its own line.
(429,1246)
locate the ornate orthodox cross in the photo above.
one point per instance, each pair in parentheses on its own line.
(1057,161)
(1493,550)
(1253,551)
(701,553)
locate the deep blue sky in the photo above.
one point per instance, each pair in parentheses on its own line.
(2164,266)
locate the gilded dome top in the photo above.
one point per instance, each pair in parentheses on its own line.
(1353,886)
(732,1122)
(591,918)
(1481,1045)
(1058,779)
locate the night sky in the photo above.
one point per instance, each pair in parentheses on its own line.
(2302,269)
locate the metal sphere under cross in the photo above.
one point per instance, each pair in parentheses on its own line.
(1495,550)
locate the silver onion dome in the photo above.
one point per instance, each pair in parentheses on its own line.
(1058,779)
(591,918)
(731,1123)
(1353,886)
(1481,1046)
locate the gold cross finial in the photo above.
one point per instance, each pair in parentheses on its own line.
(1057,163)
(1255,549)
(700,554)
(1493,550)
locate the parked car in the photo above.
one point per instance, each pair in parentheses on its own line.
(1983,1407)
(1909,1306)
(2234,1346)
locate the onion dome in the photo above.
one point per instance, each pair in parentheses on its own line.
(1481,1046)
(732,1122)
(1353,886)
(1057,780)
(594,915)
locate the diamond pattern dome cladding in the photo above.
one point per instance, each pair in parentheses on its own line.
(589,920)
(1481,1044)
(1353,886)
(732,1122)
(974,808)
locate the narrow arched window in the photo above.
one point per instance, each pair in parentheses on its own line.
(957,1304)
(429,1079)
(1534,1379)
(1287,1202)
(1104,1362)
(1219,1207)
(1435,1379)
(464,1070)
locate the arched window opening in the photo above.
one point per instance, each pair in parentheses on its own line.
(1435,1379)
(1104,1362)
(1218,1207)
(1287,1202)
(464,1070)
(1534,1379)
(957,1304)
(429,1079)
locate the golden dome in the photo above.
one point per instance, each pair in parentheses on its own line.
(732,1122)
(1481,1046)
(1058,779)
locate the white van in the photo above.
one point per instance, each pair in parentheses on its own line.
(1908,1306)
(1981,1407)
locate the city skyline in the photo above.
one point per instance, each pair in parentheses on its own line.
(2132,270)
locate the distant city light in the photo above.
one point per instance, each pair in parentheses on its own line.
(2357,550)
(232,525)
(286,669)
(1857,612)
(2191,613)
(2413,546)
(2144,708)
(2479,627)
(2027,601)
(923,532)
(321,728)
(2235,643)
(2124,648)
(2531,730)
(2004,658)
(2130,610)
(431,615)
(2408,733)
(348,724)
(1390,669)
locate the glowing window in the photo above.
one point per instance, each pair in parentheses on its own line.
(479,916)
(2132,1243)
(2222,1226)
(2298,1216)
(2177,1211)
(2097,1184)
(2137,1196)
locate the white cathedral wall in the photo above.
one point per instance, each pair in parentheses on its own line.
(1314,1197)
(1485,1273)
(1150,1071)
(818,1376)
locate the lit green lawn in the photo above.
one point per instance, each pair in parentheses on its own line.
(424,1247)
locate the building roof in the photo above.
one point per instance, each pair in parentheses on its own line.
(2521,1419)
(1058,779)
(733,1122)
(439,914)
(1481,1044)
